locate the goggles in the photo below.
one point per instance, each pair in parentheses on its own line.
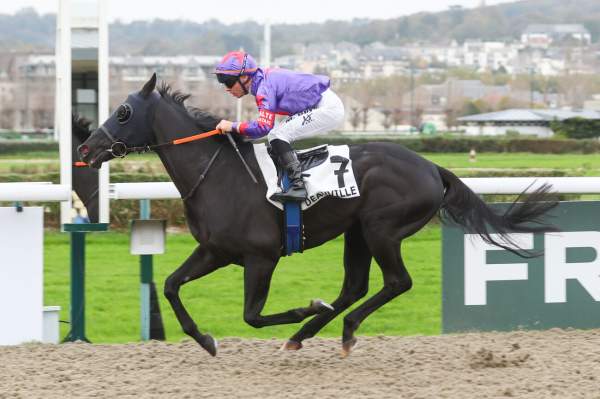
(227,80)
(230,80)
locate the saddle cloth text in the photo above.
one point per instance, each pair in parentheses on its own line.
(332,178)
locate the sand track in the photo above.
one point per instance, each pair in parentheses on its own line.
(536,364)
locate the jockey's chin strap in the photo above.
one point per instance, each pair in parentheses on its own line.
(242,70)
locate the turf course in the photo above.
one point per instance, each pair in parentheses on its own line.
(216,301)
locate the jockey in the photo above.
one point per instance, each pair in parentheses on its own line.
(312,108)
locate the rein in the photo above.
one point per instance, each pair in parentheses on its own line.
(119,149)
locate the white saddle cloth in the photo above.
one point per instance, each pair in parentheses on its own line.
(332,178)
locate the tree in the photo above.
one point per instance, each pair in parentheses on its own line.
(450,115)
(355,118)
(577,128)
(387,120)
(365,117)
(576,88)
(418,116)
(397,117)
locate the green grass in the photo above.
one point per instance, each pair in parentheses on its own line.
(216,301)
(588,163)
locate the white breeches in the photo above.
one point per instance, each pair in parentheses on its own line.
(327,115)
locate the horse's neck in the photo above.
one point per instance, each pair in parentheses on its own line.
(85,181)
(182,162)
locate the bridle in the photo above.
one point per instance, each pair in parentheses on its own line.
(119,149)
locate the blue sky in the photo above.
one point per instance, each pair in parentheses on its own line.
(277,11)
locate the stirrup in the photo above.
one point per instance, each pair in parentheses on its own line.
(293,194)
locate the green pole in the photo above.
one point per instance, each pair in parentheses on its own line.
(145,279)
(77,288)
(77,235)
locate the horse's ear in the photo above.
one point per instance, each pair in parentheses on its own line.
(149,86)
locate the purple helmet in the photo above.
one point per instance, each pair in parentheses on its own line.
(236,63)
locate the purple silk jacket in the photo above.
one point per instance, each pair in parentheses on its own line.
(281,92)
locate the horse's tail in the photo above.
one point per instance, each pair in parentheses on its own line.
(463,207)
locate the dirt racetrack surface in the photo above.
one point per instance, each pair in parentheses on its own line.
(535,364)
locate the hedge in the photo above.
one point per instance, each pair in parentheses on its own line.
(442,144)
(17,147)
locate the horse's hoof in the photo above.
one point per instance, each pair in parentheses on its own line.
(210,344)
(348,346)
(320,305)
(291,346)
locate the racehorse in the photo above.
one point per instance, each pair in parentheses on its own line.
(231,219)
(85,180)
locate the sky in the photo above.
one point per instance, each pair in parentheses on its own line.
(276,11)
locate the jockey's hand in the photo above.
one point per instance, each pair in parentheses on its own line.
(225,126)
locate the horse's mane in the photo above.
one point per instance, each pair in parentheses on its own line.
(204,120)
(80,127)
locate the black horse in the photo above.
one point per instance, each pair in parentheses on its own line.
(233,222)
(85,180)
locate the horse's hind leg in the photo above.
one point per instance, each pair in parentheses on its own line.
(200,263)
(257,280)
(357,262)
(396,281)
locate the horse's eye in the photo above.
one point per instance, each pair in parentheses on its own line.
(124,113)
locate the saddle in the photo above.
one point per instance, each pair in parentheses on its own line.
(313,157)
(308,158)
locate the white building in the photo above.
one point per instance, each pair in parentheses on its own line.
(534,122)
(540,35)
(489,56)
(593,104)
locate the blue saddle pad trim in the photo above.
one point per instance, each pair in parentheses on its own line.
(293,241)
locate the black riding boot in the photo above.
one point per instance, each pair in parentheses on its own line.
(286,157)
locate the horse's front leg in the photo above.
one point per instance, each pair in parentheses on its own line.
(200,263)
(257,280)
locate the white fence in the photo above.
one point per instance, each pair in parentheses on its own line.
(41,191)
(44,192)
(480,185)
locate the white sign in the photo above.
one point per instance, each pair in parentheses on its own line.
(21,275)
(147,237)
(556,269)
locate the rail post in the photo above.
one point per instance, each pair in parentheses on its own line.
(77,232)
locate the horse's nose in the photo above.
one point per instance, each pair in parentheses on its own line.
(83,150)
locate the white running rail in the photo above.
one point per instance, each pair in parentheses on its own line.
(480,185)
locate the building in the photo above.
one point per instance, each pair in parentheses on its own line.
(543,36)
(534,122)
(593,104)
(27,93)
(27,82)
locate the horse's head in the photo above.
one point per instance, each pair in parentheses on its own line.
(129,126)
